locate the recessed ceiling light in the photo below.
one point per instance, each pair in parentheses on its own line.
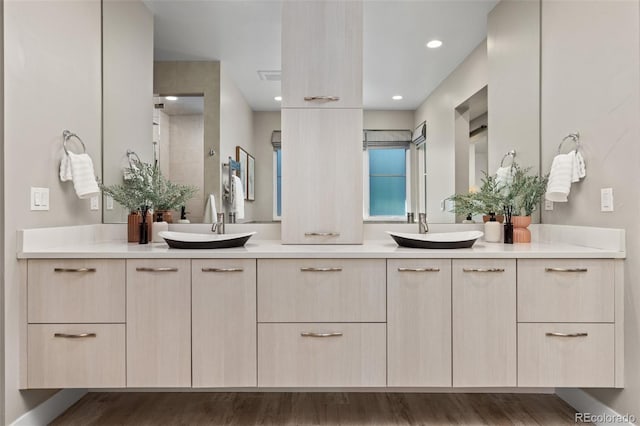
(171,98)
(434,44)
(397,97)
(278,98)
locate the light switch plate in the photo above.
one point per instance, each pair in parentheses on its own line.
(39,198)
(548,205)
(95,203)
(109,202)
(606,199)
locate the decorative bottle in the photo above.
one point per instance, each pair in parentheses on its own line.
(492,229)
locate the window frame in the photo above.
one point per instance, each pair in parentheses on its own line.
(366,201)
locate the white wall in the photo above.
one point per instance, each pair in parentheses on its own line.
(591,83)
(52,82)
(388,120)
(438,110)
(186,163)
(236,128)
(128,90)
(513,46)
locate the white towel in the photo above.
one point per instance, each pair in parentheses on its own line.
(561,177)
(210,212)
(579,168)
(65,169)
(238,198)
(83,175)
(504,177)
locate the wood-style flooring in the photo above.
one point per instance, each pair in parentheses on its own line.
(191,408)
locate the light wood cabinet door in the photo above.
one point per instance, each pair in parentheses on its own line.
(566,290)
(321,290)
(224,323)
(76,291)
(159,323)
(321,355)
(484,323)
(76,356)
(566,355)
(322,54)
(322,166)
(419,322)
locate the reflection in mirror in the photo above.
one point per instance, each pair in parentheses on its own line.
(210,48)
(178,139)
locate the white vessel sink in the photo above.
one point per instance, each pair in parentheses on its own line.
(444,240)
(187,240)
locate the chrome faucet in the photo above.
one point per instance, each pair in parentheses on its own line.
(218,226)
(423,226)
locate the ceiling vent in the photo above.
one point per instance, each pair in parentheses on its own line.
(274,75)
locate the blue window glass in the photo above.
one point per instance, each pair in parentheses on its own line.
(387,182)
(278,182)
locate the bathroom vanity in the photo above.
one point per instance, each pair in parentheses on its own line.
(100,313)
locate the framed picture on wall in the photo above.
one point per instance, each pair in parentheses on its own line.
(242,158)
(251,177)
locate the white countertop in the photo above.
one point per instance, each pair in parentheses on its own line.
(273,249)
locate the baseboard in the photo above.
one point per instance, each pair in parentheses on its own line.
(46,412)
(586,404)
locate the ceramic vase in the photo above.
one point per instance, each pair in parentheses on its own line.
(133,226)
(521,233)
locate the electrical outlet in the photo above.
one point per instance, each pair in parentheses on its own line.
(109,202)
(39,198)
(606,200)
(548,205)
(95,203)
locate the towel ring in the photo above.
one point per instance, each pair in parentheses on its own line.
(66,135)
(511,154)
(131,154)
(575,138)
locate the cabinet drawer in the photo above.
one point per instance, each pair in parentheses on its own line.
(319,290)
(484,322)
(352,355)
(565,290)
(577,355)
(419,322)
(76,291)
(223,325)
(76,355)
(159,323)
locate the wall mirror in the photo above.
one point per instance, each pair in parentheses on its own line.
(477,96)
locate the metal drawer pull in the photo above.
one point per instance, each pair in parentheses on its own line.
(483,270)
(322,98)
(157,269)
(565,269)
(74,336)
(310,334)
(320,269)
(222,269)
(418,269)
(321,234)
(74,269)
(567,334)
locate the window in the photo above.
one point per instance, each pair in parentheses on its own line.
(385,183)
(386,170)
(386,174)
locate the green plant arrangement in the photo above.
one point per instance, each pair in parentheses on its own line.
(147,186)
(490,199)
(526,191)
